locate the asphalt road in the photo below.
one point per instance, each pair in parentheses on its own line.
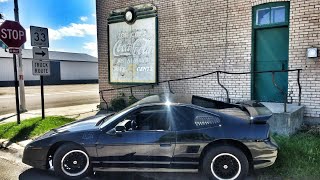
(55,96)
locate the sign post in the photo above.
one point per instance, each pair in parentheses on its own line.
(14,36)
(16,83)
(42,98)
(41,68)
(39,39)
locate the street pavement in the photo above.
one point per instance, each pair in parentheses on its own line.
(54,95)
(77,112)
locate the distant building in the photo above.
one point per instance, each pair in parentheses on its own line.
(66,68)
(194,37)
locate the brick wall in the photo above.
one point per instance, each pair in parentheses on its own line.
(305,32)
(200,36)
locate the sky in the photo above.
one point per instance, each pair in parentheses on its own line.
(71,23)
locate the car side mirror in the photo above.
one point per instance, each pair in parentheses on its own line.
(120,128)
(114,132)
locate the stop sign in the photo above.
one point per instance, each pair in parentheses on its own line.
(12,34)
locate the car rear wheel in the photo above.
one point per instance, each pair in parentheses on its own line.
(225,162)
(71,161)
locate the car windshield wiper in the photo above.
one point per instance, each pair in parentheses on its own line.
(103,119)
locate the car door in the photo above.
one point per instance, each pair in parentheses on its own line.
(150,144)
(194,130)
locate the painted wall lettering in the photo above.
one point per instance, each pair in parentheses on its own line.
(133,51)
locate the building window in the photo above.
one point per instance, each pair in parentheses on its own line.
(271,15)
(263,16)
(278,14)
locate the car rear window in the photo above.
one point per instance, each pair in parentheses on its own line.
(187,118)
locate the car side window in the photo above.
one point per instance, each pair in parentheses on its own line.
(150,118)
(187,118)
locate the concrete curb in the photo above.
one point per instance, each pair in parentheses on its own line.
(15,149)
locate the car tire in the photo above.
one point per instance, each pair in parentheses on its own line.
(71,161)
(225,162)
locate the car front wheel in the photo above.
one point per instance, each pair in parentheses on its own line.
(71,162)
(225,162)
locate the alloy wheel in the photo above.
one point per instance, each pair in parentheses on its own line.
(225,166)
(74,163)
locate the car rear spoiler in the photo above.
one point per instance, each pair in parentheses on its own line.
(262,119)
(259,114)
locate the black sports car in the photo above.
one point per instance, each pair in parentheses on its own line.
(167,133)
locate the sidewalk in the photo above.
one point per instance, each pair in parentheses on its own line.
(78,112)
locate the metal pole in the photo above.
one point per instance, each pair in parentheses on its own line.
(42,97)
(16,87)
(170,87)
(21,77)
(285,95)
(299,85)
(227,92)
(16,11)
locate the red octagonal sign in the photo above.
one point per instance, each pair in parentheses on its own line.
(12,34)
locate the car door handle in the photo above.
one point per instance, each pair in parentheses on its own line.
(165,145)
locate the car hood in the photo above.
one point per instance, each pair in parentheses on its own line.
(89,123)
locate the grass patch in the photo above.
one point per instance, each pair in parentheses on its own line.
(31,127)
(298,158)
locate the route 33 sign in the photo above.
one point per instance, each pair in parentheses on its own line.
(39,36)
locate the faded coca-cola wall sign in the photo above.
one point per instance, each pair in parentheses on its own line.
(133,51)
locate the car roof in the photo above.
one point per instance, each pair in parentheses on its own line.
(189,99)
(254,109)
(165,99)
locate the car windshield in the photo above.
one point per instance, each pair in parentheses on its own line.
(110,119)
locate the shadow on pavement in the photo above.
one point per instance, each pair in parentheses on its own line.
(119,176)
(4,118)
(32,174)
(148,176)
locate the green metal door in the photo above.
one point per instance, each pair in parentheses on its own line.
(271,53)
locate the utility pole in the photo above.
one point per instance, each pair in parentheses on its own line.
(20,65)
(2,45)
